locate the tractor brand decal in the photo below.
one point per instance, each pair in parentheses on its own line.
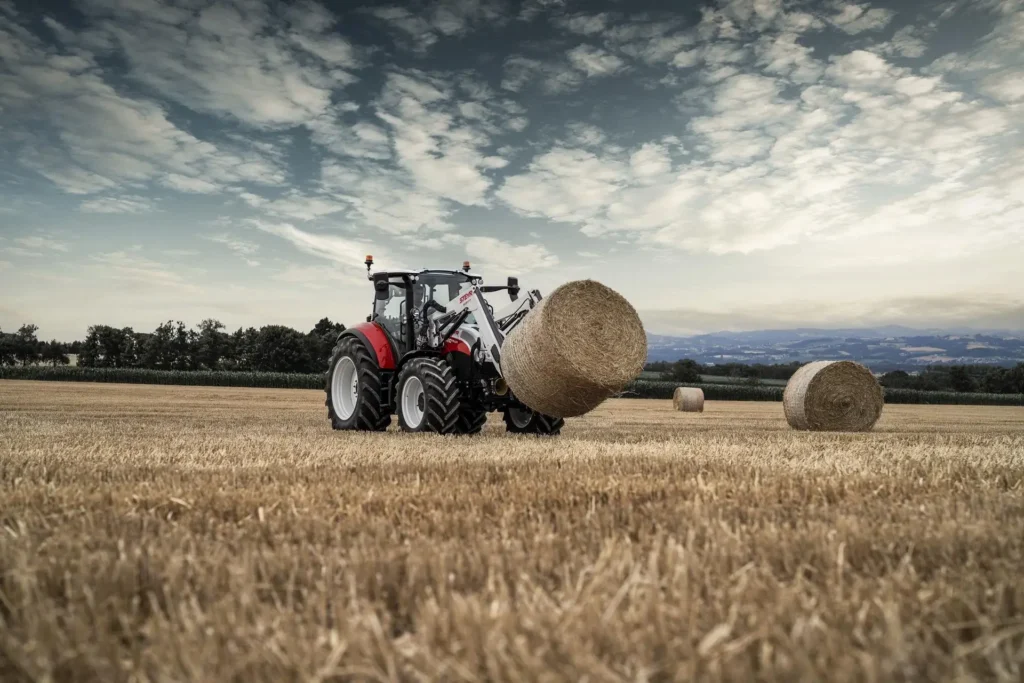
(453,345)
(466,297)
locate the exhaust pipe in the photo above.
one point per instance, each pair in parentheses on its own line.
(500,386)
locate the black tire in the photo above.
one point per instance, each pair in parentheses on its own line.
(535,423)
(472,418)
(439,399)
(370,413)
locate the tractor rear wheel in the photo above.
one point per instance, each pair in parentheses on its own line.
(521,420)
(428,397)
(353,389)
(472,418)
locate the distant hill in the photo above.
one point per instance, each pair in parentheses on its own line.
(881,349)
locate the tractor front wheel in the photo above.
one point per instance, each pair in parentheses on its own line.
(353,389)
(521,420)
(428,397)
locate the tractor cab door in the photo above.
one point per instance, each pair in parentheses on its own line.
(390,312)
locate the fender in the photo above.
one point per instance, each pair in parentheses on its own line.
(376,342)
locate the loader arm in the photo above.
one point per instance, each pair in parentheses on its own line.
(492,334)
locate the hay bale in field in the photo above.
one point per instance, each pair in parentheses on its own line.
(580,345)
(688,400)
(833,396)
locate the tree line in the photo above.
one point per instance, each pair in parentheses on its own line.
(174,346)
(991,379)
(278,348)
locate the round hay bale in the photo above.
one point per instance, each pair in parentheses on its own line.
(833,396)
(688,400)
(580,345)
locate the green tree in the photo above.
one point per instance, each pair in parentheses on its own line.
(241,348)
(109,347)
(53,354)
(183,347)
(280,349)
(686,370)
(320,342)
(961,380)
(896,379)
(211,344)
(26,346)
(157,348)
(7,348)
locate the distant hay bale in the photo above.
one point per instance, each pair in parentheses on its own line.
(688,400)
(833,396)
(579,346)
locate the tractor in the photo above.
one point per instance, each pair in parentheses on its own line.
(430,353)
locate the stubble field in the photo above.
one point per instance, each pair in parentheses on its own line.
(210,534)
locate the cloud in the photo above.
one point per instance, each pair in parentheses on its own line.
(42,243)
(343,251)
(857,18)
(127,204)
(437,132)
(443,157)
(584,24)
(239,246)
(182,183)
(423,26)
(295,205)
(908,41)
(553,77)
(861,147)
(489,253)
(384,200)
(564,184)
(556,76)
(85,136)
(239,61)
(129,265)
(594,61)
(995,66)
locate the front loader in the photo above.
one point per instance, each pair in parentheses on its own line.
(430,353)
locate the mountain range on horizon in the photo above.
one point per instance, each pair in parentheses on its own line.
(883,348)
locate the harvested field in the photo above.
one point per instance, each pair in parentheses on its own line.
(216,534)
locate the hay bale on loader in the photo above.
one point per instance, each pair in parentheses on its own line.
(582,344)
(688,400)
(833,396)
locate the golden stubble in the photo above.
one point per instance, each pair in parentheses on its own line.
(213,534)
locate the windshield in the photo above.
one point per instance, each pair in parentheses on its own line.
(442,288)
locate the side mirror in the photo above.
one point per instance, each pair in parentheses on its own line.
(381,287)
(513,288)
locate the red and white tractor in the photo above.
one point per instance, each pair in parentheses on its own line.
(431,353)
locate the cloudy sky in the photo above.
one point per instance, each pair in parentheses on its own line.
(746,164)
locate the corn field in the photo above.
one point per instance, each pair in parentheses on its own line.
(641,388)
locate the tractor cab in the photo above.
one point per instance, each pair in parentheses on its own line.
(403,298)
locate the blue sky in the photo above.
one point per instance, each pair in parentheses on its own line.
(734,165)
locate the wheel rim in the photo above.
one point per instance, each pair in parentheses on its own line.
(520,417)
(413,402)
(344,388)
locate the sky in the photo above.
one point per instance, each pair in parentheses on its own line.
(735,165)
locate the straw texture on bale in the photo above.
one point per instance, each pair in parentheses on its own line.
(833,396)
(579,346)
(688,400)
